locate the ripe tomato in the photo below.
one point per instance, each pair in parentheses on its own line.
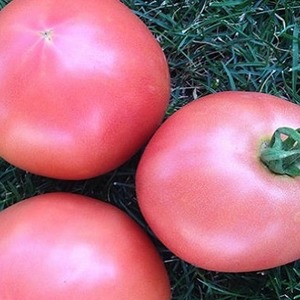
(67,246)
(206,194)
(83,85)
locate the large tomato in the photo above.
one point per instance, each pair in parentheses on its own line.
(205,192)
(83,85)
(67,246)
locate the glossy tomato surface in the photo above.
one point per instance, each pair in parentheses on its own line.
(83,85)
(66,246)
(205,192)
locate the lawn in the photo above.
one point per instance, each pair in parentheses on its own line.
(211,46)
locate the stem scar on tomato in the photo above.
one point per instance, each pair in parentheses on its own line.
(47,35)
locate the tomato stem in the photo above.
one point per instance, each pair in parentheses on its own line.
(282,154)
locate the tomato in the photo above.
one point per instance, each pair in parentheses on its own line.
(83,85)
(68,246)
(205,192)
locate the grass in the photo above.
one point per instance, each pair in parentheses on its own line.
(211,46)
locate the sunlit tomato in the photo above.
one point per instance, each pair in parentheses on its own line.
(66,246)
(206,194)
(83,85)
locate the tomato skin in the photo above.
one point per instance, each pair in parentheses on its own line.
(222,209)
(83,86)
(68,246)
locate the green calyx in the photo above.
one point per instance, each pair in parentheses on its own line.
(282,154)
